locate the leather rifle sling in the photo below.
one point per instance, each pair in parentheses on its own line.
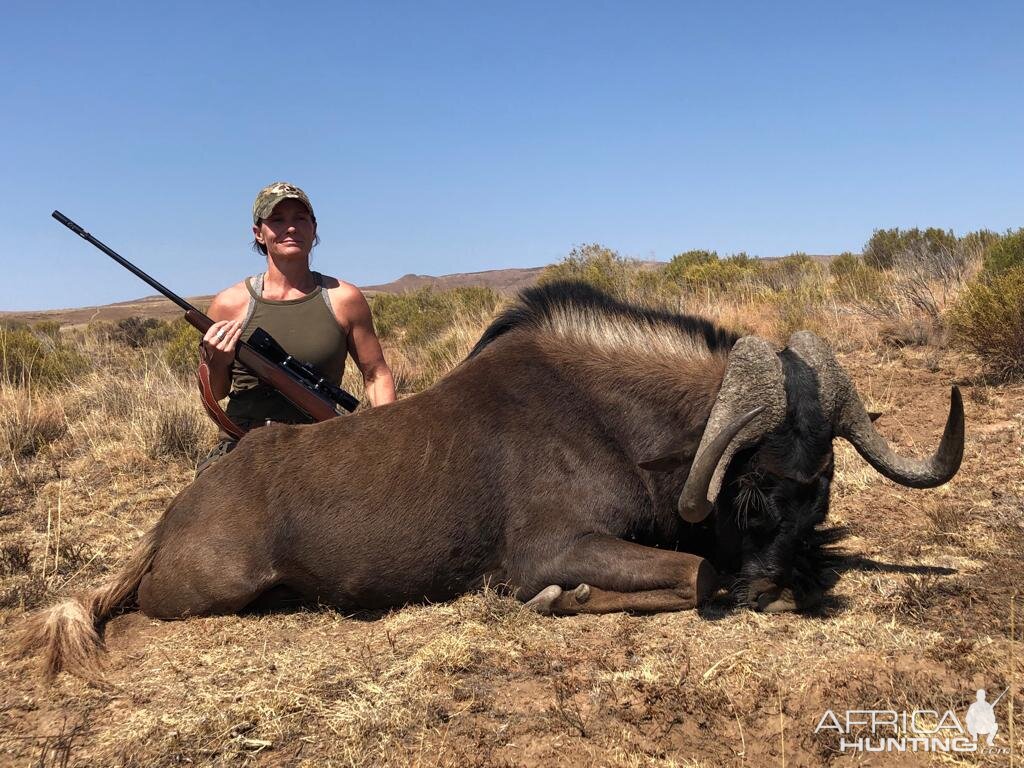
(210,403)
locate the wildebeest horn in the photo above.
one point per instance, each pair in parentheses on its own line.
(851,421)
(751,403)
(694,505)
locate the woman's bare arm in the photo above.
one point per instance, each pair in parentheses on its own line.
(353,314)
(227,310)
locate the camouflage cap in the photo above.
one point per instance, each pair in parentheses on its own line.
(272,194)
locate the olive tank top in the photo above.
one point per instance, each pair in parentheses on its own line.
(307,328)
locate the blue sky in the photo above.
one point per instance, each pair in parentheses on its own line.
(438,137)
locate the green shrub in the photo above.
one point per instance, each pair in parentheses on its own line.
(651,287)
(416,317)
(50,328)
(741,259)
(474,300)
(787,273)
(886,246)
(392,312)
(135,332)
(853,280)
(162,331)
(988,317)
(30,358)
(681,263)
(182,350)
(705,271)
(715,275)
(797,309)
(1005,253)
(976,243)
(596,265)
(844,264)
(100,330)
(881,248)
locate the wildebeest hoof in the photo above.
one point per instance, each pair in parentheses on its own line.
(582,593)
(544,601)
(776,601)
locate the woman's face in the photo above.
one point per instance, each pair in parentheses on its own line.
(288,232)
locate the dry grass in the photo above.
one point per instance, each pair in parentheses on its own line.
(918,619)
(28,422)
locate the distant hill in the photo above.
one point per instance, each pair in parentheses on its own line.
(500,280)
(504,281)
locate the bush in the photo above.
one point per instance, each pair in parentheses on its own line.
(741,259)
(419,316)
(852,279)
(681,263)
(788,273)
(48,328)
(976,243)
(716,275)
(162,331)
(881,248)
(101,331)
(988,318)
(177,432)
(705,271)
(595,265)
(1005,253)
(27,425)
(30,358)
(884,248)
(135,332)
(844,265)
(182,351)
(924,273)
(651,287)
(797,309)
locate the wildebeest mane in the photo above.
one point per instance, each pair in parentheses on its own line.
(569,303)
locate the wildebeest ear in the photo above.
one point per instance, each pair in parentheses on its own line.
(666,463)
(875,415)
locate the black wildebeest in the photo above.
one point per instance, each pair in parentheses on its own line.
(581,445)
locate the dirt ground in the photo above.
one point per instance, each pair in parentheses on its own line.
(919,620)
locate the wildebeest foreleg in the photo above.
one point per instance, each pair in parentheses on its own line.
(601,574)
(587,599)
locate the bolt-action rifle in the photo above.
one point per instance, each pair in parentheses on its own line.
(302,384)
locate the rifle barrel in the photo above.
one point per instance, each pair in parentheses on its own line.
(124,262)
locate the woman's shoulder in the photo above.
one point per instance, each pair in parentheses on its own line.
(340,291)
(230,303)
(347,301)
(334,284)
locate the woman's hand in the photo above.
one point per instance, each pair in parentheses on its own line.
(220,341)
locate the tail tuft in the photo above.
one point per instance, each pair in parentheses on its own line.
(65,635)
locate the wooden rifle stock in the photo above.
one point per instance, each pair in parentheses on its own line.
(270,373)
(303,397)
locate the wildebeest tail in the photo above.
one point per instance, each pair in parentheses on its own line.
(65,635)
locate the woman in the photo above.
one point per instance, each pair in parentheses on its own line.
(317,319)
